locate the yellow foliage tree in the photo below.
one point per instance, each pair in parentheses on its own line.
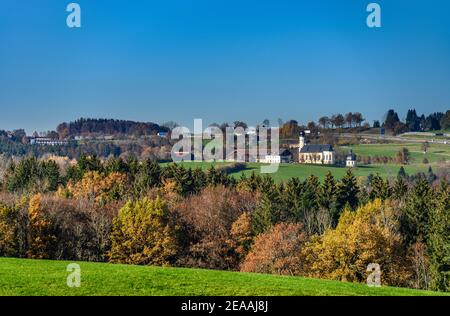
(143,233)
(99,187)
(8,231)
(369,235)
(41,240)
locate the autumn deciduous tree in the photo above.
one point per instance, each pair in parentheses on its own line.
(99,187)
(143,233)
(403,156)
(42,235)
(9,230)
(420,266)
(242,234)
(208,219)
(82,227)
(369,235)
(277,251)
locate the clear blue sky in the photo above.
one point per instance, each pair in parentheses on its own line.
(220,60)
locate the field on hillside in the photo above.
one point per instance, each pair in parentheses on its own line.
(436,153)
(42,278)
(426,137)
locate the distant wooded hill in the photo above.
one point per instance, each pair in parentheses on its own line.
(92,127)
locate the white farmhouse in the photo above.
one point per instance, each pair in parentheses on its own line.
(47,141)
(284,157)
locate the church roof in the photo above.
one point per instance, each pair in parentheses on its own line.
(316,148)
(286,152)
(351,156)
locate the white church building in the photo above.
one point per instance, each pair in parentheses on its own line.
(315,154)
(350,162)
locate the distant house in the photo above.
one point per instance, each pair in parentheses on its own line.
(351,160)
(184,156)
(284,157)
(47,141)
(82,137)
(162,134)
(315,154)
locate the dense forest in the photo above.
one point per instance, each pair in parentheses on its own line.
(152,146)
(92,127)
(127,211)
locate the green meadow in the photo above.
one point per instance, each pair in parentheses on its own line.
(436,153)
(21,277)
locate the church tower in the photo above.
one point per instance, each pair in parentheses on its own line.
(302,142)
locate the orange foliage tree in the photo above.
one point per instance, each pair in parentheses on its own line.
(242,234)
(277,251)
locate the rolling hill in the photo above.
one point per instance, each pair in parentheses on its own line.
(42,278)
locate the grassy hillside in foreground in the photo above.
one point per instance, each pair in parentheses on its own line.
(36,277)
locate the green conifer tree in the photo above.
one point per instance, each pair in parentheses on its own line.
(438,240)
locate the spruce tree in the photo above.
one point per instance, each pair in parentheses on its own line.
(438,240)
(292,200)
(402,173)
(212,176)
(417,211)
(347,191)
(149,176)
(200,180)
(328,191)
(310,204)
(431,176)
(262,217)
(49,175)
(116,164)
(379,189)
(400,189)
